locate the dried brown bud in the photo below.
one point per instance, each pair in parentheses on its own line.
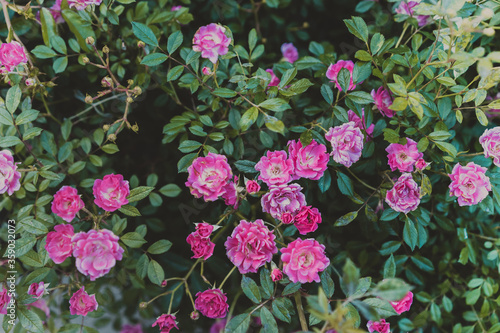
(90,40)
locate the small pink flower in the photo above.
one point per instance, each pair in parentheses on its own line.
(11,55)
(403,157)
(9,176)
(59,245)
(406,8)
(303,260)
(208,176)
(379,326)
(333,71)
(131,328)
(111,192)
(82,4)
(204,229)
(175,8)
(283,199)
(405,195)
(276,275)
(274,79)
(211,41)
(307,219)
(164,283)
(289,52)
(202,247)
(219,326)
(250,246)
(206,71)
(82,303)
(252,187)
(165,323)
(230,195)
(360,123)
(55,10)
(96,252)
(4,301)
(490,140)
(67,203)
(347,143)
(212,303)
(421,164)
(383,101)
(287,218)
(469,183)
(310,161)
(403,304)
(38,289)
(275,168)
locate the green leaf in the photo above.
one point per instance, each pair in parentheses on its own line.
(390,268)
(170,190)
(139,193)
(36,276)
(174,41)
(297,88)
(287,77)
(382,307)
(110,148)
(252,39)
(248,118)
(269,324)
(5,117)
(48,25)
(58,44)
(160,247)
(346,219)
(447,148)
(358,28)
(129,210)
(76,167)
(327,93)
(280,309)
(275,104)
(250,289)
(224,92)
(9,141)
(133,239)
(422,263)
(327,284)
(60,64)
(154,59)
(245,166)
(144,33)
(266,283)
(174,73)
(481,117)
(79,27)
(360,97)
(27,116)
(43,52)
(34,227)
(188,146)
(345,184)
(239,323)
(344,79)
(13,98)
(155,272)
(391,289)
(376,43)
(141,267)
(291,288)
(24,245)
(29,320)
(274,124)
(410,234)
(185,162)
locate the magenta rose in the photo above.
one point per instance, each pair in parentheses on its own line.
(11,55)
(59,245)
(9,176)
(218,327)
(202,247)
(4,301)
(165,323)
(287,218)
(289,52)
(204,229)
(383,101)
(275,168)
(211,303)
(206,71)
(111,192)
(310,161)
(211,41)
(276,275)
(250,246)
(38,289)
(55,10)
(347,143)
(303,260)
(67,203)
(403,157)
(333,71)
(208,176)
(307,219)
(82,4)
(403,304)
(252,187)
(274,79)
(490,140)
(421,164)
(469,183)
(379,326)
(96,252)
(175,8)
(406,8)
(230,194)
(404,197)
(131,328)
(360,123)
(82,303)
(283,199)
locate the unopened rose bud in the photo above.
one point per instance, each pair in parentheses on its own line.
(135,128)
(30,82)
(89,99)
(106,81)
(130,100)
(105,49)
(305,25)
(141,44)
(487,13)
(85,60)
(276,275)
(112,137)
(489,32)
(143,305)
(164,283)
(264,40)
(90,40)
(137,90)
(206,71)
(195,315)
(105,127)
(130,82)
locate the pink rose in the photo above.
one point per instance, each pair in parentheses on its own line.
(289,52)
(131,328)
(406,8)
(211,41)
(38,289)
(276,275)
(208,176)
(360,123)
(283,199)
(333,71)
(218,326)
(82,303)
(55,10)
(204,229)
(250,246)
(347,143)
(421,164)
(175,8)
(9,177)
(67,203)
(469,183)
(274,79)
(275,168)
(490,140)
(379,326)
(230,194)
(287,218)
(41,304)
(307,219)
(403,157)
(4,301)
(202,247)
(404,304)
(206,71)
(96,252)
(303,260)
(111,192)
(212,303)
(252,187)
(82,4)
(11,55)
(310,161)
(383,101)
(59,245)
(404,197)
(165,323)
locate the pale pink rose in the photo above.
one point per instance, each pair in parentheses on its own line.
(67,203)
(361,123)
(379,326)
(469,183)
(490,140)
(347,143)
(4,301)
(212,303)
(252,187)
(230,195)
(81,303)
(403,304)
(202,247)
(165,323)
(131,328)
(9,176)
(11,55)
(59,245)
(404,197)
(82,4)
(310,161)
(421,164)
(333,71)
(283,199)
(211,41)
(218,326)
(406,8)
(96,252)
(208,176)
(303,260)
(274,79)
(41,304)
(275,168)
(175,8)
(383,101)
(38,289)
(111,192)
(206,71)
(287,218)
(289,52)
(403,157)
(250,246)
(307,219)
(276,275)
(204,229)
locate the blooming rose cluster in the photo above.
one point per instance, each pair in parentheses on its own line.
(9,176)
(404,197)
(303,260)
(212,303)
(165,323)
(403,157)
(200,242)
(469,184)
(81,303)
(211,41)
(82,4)
(11,55)
(283,199)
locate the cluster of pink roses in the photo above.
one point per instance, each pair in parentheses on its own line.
(400,306)
(200,242)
